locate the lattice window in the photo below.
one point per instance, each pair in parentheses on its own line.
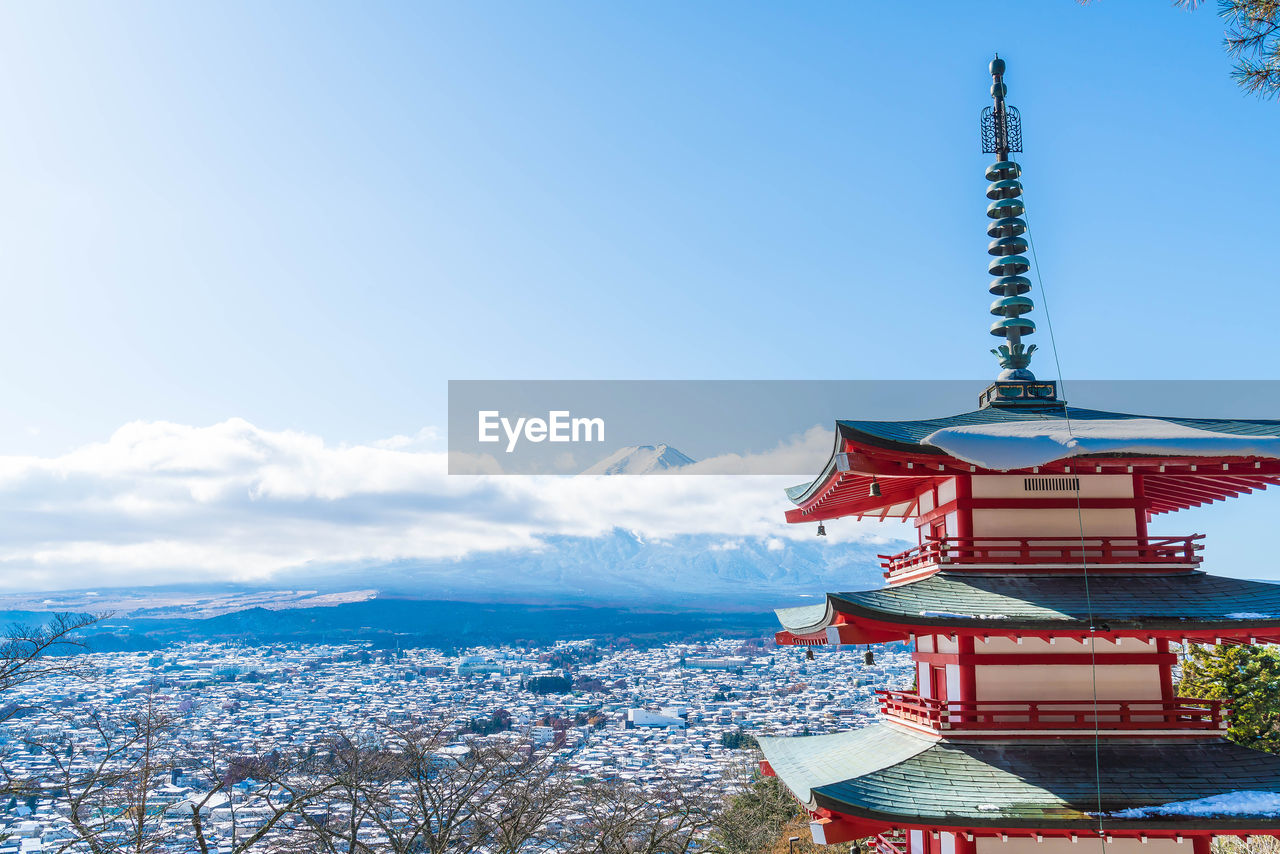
(1051,484)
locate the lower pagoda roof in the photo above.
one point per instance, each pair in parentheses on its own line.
(883,774)
(1003,603)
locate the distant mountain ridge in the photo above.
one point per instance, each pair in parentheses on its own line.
(623,569)
(389,623)
(619,569)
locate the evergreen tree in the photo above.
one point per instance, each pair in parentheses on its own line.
(738,740)
(752,821)
(1252,40)
(1248,677)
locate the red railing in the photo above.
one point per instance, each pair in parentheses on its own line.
(891,842)
(1020,551)
(1178,713)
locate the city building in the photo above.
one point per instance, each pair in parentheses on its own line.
(1041,610)
(300,696)
(665,717)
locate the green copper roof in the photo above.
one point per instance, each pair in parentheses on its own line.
(1187,601)
(810,762)
(890,774)
(806,618)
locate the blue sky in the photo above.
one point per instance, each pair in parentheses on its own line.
(310,216)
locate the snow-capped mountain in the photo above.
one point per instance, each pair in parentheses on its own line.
(618,570)
(621,568)
(641,459)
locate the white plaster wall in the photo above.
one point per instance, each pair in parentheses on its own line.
(947,491)
(948,841)
(926,500)
(1091,486)
(1054,522)
(947,645)
(1026,845)
(915,842)
(953,681)
(1067,682)
(923,682)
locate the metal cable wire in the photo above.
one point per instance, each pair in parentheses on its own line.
(1084,560)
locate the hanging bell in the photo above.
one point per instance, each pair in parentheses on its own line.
(875,488)
(868,658)
(822,530)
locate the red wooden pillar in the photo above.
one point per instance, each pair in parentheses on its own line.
(1140,507)
(968,684)
(964,506)
(1166,672)
(1201,844)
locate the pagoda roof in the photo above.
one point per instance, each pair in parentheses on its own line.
(885,773)
(911,434)
(1002,603)
(907,453)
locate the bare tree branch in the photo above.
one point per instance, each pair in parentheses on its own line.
(34,652)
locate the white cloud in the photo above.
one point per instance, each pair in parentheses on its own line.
(726,546)
(164,502)
(425,438)
(807,452)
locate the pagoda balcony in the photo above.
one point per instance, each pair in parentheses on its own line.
(891,842)
(1118,717)
(1044,552)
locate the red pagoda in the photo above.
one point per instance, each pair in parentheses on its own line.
(1040,610)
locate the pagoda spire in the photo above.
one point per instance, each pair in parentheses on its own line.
(1002,134)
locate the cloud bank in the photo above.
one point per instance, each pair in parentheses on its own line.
(160,502)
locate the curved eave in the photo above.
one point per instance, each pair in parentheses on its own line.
(815,625)
(1190,605)
(807,619)
(843,487)
(807,763)
(803,493)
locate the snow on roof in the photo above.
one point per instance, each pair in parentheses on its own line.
(1230,803)
(1023,444)
(949,615)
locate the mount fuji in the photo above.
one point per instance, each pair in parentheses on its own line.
(641,459)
